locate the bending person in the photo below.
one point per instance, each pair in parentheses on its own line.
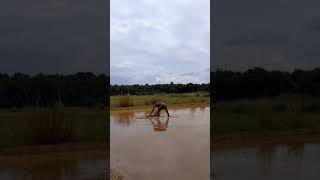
(160,106)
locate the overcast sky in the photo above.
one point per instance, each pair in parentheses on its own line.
(163,41)
(274,34)
(53,36)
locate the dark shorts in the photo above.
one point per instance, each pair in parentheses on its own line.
(162,106)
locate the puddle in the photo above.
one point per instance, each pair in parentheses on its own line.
(277,162)
(161,148)
(53,168)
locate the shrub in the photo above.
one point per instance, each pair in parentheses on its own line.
(126,101)
(155,99)
(279,107)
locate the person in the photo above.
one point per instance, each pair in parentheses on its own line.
(160,106)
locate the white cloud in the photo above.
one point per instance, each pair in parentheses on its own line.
(159,41)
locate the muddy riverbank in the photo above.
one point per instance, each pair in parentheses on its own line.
(144,108)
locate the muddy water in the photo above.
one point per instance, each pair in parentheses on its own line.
(53,167)
(264,162)
(165,148)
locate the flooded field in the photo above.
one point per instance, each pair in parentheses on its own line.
(62,166)
(277,162)
(161,148)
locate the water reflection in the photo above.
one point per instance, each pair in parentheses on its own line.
(127,119)
(53,169)
(159,147)
(202,108)
(124,118)
(296,149)
(267,161)
(158,125)
(265,153)
(193,111)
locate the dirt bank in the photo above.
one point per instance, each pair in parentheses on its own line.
(176,106)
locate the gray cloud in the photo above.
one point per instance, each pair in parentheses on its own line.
(313,26)
(262,39)
(270,34)
(54,36)
(158,41)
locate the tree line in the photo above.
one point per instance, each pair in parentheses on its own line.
(258,82)
(80,89)
(147,89)
(88,89)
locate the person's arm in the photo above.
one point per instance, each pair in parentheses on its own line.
(152,110)
(167,122)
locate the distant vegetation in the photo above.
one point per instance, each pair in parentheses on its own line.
(51,109)
(81,90)
(258,101)
(257,83)
(147,89)
(265,114)
(146,100)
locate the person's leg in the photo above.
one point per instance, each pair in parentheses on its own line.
(167,112)
(158,112)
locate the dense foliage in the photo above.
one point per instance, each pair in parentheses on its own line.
(258,82)
(157,89)
(88,89)
(81,89)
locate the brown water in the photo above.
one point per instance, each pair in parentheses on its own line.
(151,148)
(265,162)
(54,167)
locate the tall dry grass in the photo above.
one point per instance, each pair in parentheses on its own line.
(126,101)
(286,112)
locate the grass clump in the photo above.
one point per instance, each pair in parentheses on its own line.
(170,99)
(126,101)
(289,112)
(155,99)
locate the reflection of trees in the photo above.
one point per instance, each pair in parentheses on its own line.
(124,118)
(202,108)
(158,125)
(265,154)
(296,150)
(193,111)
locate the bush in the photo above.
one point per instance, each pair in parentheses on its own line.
(265,122)
(155,99)
(279,107)
(126,101)
(206,95)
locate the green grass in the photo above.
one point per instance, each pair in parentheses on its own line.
(134,101)
(31,126)
(267,114)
